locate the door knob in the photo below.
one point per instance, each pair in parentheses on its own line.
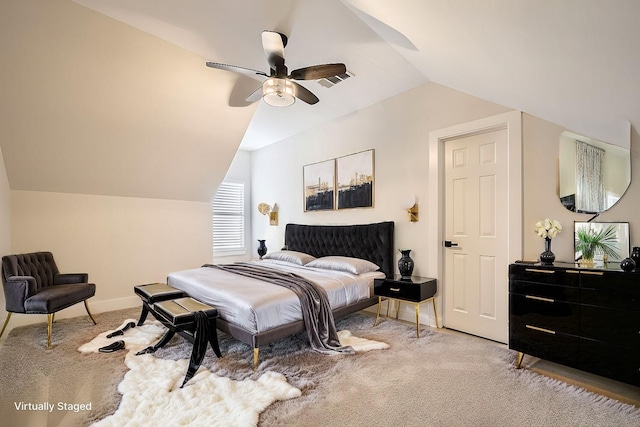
(449,243)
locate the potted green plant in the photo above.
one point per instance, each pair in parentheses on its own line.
(590,242)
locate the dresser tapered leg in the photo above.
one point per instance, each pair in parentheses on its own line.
(519,360)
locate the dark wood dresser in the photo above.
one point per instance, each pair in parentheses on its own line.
(587,319)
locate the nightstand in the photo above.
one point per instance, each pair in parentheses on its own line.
(414,289)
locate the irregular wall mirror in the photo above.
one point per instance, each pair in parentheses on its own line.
(592,175)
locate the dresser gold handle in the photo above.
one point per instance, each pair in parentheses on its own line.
(539,298)
(535,328)
(536,270)
(394,289)
(573,271)
(594,273)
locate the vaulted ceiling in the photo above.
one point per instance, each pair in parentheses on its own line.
(572,62)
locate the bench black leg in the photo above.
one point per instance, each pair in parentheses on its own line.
(201,335)
(143,314)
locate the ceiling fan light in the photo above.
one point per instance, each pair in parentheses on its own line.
(278,92)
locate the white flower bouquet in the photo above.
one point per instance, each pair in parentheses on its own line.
(548,229)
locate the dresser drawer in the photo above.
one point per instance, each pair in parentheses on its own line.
(554,292)
(611,290)
(546,275)
(619,327)
(611,361)
(405,290)
(558,347)
(557,316)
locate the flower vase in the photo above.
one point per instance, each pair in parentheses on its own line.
(405,264)
(262,248)
(547,257)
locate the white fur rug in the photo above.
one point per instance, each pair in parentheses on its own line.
(151,394)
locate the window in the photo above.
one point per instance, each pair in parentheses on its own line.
(228,219)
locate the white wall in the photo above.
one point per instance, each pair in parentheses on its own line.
(119,241)
(5,224)
(398,129)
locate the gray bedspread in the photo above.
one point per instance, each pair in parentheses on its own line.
(316,311)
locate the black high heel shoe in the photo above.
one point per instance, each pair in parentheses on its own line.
(114,346)
(121,330)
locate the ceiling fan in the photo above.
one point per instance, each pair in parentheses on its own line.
(278,87)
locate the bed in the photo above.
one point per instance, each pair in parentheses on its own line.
(239,314)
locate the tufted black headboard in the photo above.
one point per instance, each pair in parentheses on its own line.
(373,242)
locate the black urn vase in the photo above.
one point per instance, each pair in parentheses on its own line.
(262,248)
(635,256)
(405,264)
(547,257)
(628,264)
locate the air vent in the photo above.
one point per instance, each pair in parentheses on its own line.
(332,81)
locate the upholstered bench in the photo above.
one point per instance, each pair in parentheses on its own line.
(152,293)
(192,320)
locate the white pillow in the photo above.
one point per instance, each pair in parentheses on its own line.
(293,257)
(343,263)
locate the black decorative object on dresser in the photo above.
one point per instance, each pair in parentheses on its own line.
(587,319)
(414,289)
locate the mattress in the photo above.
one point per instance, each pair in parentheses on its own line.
(258,306)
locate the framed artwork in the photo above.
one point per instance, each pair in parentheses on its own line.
(613,235)
(355,180)
(319,184)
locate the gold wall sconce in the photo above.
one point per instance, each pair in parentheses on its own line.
(411,206)
(266,209)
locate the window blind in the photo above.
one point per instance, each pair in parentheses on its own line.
(228,219)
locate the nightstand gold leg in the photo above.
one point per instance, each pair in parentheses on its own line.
(378,313)
(397,307)
(435,312)
(388,304)
(417,320)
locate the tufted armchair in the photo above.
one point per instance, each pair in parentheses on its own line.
(33,284)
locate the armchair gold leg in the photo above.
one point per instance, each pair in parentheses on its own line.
(256,351)
(6,322)
(49,328)
(89,313)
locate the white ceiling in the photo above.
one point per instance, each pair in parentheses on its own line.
(572,62)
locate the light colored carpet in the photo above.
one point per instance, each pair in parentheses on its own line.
(443,378)
(151,393)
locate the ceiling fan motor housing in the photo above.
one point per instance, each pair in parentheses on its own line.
(278,92)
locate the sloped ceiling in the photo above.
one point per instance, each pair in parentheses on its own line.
(72,63)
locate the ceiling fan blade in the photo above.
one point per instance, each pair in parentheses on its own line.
(316,72)
(273,44)
(255,74)
(304,94)
(256,95)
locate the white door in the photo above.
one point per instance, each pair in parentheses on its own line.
(475,222)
